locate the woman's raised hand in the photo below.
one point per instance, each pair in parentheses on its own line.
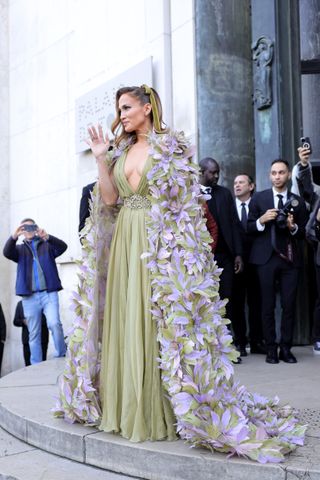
(98,142)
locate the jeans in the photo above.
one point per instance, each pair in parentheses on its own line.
(33,306)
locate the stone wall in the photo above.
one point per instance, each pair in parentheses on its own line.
(5,271)
(60,50)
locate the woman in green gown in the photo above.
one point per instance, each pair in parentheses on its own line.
(135,406)
(150,355)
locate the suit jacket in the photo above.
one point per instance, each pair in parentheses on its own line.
(222,207)
(262,247)
(84,205)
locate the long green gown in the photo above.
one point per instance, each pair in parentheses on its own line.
(132,395)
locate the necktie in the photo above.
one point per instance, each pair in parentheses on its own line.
(244,216)
(280,203)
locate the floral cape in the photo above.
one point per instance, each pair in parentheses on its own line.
(196,351)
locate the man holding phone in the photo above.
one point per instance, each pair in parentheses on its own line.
(302,178)
(38,282)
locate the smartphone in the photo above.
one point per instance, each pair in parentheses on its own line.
(305,143)
(30,228)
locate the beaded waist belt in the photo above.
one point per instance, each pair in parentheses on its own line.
(137,201)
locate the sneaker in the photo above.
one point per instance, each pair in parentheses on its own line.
(316,348)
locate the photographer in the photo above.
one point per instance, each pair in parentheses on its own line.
(303,184)
(313,235)
(302,178)
(38,282)
(277,218)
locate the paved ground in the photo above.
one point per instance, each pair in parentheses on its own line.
(26,397)
(298,383)
(20,461)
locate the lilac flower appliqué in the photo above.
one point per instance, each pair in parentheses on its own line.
(196,349)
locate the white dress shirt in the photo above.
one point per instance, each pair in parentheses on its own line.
(239,206)
(276,199)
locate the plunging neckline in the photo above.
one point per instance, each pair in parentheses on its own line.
(142,174)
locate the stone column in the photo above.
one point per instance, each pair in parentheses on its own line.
(275,31)
(5,279)
(278,125)
(224,85)
(310,50)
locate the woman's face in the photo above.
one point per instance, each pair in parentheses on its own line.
(134,116)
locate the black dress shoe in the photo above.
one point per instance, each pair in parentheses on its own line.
(272,356)
(258,348)
(286,356)
(242,350)
(237,362)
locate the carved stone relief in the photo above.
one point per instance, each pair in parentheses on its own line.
(262,55)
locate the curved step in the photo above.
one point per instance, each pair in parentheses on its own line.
(19,461)
(27,395)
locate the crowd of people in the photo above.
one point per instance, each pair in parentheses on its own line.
(152,289)
(260,248)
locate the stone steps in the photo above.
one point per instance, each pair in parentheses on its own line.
(19,461)
(27,395)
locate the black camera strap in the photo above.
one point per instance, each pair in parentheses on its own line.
(288,257)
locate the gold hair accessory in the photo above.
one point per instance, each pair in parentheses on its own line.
(154,106)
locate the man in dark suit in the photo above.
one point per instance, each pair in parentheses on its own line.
(275,252)
(84,211)
(246,284)
(228,253)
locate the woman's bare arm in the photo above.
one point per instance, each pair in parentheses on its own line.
(99,145)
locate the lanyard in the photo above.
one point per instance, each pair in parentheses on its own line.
(35,266)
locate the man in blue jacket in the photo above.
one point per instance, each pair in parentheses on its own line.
(38,283)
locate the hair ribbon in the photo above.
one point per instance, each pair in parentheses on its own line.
(154,106)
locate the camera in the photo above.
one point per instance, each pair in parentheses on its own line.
(289,207)
(305,143)
(30,228)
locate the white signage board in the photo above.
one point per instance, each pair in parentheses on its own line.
(97,106)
